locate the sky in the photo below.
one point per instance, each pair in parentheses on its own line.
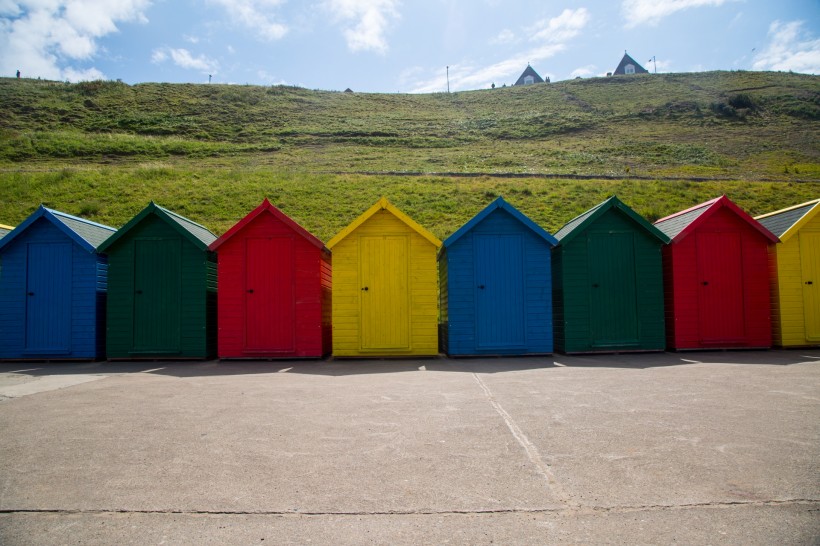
(406,46)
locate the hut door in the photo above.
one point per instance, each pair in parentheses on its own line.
(810,265)
(613,312)
(384,292)
(48,298)
(499,292)
(157,298)
(269,302)
(720,287)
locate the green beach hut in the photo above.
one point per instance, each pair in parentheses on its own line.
(607,275)
(161,288)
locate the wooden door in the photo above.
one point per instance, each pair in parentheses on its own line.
(48,298)
(499,291)
(157,297)
(720,287)
(384,292)
(613,312)
(269,295)
(810,269)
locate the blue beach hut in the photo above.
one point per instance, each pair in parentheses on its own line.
(52,288)
(496,285)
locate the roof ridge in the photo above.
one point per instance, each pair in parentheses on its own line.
(788,209)
(79,219)
(690,209)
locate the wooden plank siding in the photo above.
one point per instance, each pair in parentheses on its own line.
(197,286)
(309,293)
(698,318)
(787,289)
(421,291)
(85,276)
(573,291)
(512,325)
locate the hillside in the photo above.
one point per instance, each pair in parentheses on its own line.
(103,149)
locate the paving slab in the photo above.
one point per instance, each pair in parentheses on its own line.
(672,435)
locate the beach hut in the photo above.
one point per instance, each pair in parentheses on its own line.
(496,285)
(794,266)
(161,288)
(716,278)
(274,294)
(5,230)
(385,287)
(52,288)
(608,282)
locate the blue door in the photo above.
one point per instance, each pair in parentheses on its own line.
(48,298)
(499,291)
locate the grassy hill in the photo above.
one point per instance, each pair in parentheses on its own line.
(212,152)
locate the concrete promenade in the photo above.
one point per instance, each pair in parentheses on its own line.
(691,448)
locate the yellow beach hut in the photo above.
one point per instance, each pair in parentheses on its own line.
(385,286)
(795,264)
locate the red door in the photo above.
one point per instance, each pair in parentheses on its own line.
(720,287)
(269,301)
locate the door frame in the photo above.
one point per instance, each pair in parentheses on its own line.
(407,296)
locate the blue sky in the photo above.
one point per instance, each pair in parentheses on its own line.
(398,45)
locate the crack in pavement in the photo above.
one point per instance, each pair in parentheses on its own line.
(574,510)
(529,448)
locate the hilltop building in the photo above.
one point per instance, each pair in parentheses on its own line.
(628,65)
(529,76)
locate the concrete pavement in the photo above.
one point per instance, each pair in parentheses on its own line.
(719,447)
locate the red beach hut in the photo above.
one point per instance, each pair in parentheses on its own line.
(716,278)
(274,288)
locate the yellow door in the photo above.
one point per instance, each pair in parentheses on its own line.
(384,294)
(810,266)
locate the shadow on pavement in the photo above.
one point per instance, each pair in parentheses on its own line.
(343,367)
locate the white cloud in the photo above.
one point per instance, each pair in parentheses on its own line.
(257,15)
(184,59)
(44,38)
(370,19)
(506,36)
(559,29)
(638,12)
(790,47)
(551,37)
(583,71)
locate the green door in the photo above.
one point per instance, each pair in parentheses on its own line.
(157,299)
(613,306)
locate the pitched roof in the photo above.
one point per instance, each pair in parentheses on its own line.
(383,204)
(529,71)
(499,203)
(786,222)
(267,207)
(629,60)
(575,226)
(84,232)
(198,235)
(5,230)
(677,226)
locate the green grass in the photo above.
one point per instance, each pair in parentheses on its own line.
(212,152)
(324,204)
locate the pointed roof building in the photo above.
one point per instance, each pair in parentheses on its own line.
(628,65)
(529,76)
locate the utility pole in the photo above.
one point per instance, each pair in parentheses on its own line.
(448,78)
(654,63)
